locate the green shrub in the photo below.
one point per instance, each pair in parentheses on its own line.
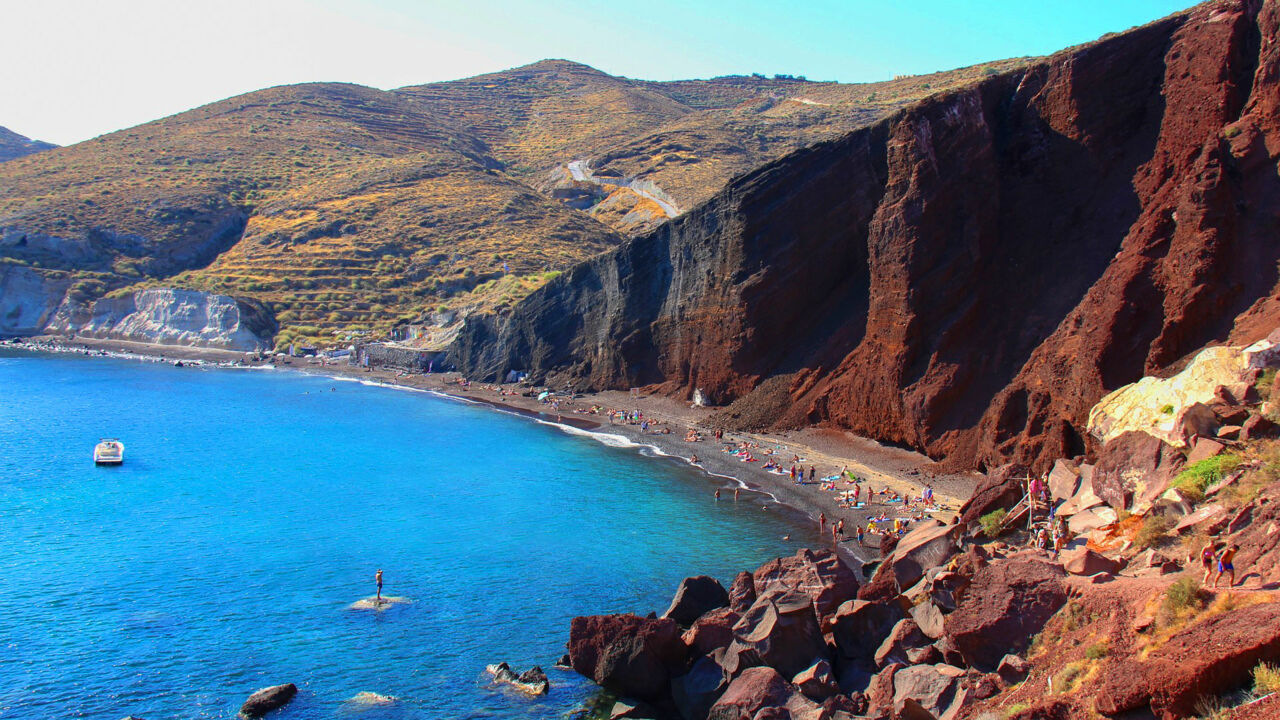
(1167,409)
(992,521)
(1185,594)
(1198,476)
(1153,530)
(1069,677)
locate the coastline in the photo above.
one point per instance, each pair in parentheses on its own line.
(879,467)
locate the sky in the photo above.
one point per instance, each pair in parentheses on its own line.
(75,69)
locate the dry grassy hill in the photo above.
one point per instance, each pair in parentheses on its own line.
(347,207)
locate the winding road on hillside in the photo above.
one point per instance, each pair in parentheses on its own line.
(581,172)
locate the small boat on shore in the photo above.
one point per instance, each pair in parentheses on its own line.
(108,451)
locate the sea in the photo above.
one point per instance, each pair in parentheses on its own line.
(254,507)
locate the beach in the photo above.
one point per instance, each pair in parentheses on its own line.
(879,468)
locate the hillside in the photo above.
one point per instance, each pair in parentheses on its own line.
(967,277)
(13,145)
(347,208)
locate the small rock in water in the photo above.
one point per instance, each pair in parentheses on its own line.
(369,603)
(531,682)
(267,699)
(371,699)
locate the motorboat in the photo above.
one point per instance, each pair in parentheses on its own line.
(108,452)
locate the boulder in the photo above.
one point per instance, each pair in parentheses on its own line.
(1203,514)
(1091,519)
(742,593)
(819,574)
(1229,432)
(947,588)
(860,626)
(928,545)
(1013,669)
(1064,480)
(1000,488)
(816,682)
(1257,427)
(696,691)
(1196,421)
(905,636)
(755,689)
(1005,606)
(1204,449)
(267,699)
(1083,561)
(627,654)
(1082,500)
(880,693)
(533,681)
(932,690)
(929,618)
(695,597)
(711,631)
(927,655)
(1207,659)
(782,630)
(1134,465)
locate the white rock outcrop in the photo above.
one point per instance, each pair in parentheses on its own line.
(167,316)
(28,300)
(1160,406)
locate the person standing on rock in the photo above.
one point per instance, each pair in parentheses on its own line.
(1225,565)
(377,578)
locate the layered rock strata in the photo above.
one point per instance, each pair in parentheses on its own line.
(967,277)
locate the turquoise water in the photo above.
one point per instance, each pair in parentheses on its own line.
(254,507)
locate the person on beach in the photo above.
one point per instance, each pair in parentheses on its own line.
(1226,566)
(840,528)
(813,472)
(861,535)
(822,521)
(835,536)
(377,578)
(1207,555)
(735,494)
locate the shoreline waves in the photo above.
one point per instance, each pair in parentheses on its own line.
(880,467)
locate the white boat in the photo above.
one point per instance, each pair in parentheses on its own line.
(108,452)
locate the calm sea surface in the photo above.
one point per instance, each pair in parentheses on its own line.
(253,508)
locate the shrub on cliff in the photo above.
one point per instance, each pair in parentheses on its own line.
(1198,476)
(992,522)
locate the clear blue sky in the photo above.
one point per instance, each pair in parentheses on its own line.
(74,69)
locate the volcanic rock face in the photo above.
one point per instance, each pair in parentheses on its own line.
(969,276)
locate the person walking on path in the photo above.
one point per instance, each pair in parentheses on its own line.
(1207,555)
(1225,565)
(377,578)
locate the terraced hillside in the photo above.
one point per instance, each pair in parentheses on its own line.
(345,207)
